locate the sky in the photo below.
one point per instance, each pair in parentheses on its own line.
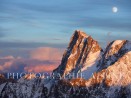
(29,25)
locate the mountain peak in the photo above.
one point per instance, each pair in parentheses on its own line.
(115,50)
(81,33)
(78,54)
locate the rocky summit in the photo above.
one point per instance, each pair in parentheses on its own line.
(82,53)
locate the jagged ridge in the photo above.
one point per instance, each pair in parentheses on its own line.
(79,54)
(83,55)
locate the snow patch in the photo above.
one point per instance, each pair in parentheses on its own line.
(117,42)
(91,64)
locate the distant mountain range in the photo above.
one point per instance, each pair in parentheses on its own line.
(105,73)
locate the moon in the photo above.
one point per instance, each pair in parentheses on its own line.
(114,9)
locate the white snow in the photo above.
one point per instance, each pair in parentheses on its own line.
(113,50)
(117,42)
(91,65)
(118,74)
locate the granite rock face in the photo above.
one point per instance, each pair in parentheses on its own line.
(79,53)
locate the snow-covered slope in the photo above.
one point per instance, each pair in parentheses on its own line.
(114,51)
(24,88)
(90,65)
(117,74)
(106,74)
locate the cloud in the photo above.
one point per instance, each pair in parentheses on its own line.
(38,65)
(51,7)
(7,57)
(6,65)
(11,64)
(26,65)
(113,24)
(19,44)
(57,39)
(2,34)
(40,68)
(3,31)
(47,53)
(43,59)
(54,17)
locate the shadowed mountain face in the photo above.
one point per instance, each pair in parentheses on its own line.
(107,74)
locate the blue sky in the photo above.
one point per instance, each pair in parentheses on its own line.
(37,23)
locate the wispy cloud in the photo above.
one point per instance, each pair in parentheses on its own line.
(40,68)
(2,34)
(31,24)
(19,44)
(47,53)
